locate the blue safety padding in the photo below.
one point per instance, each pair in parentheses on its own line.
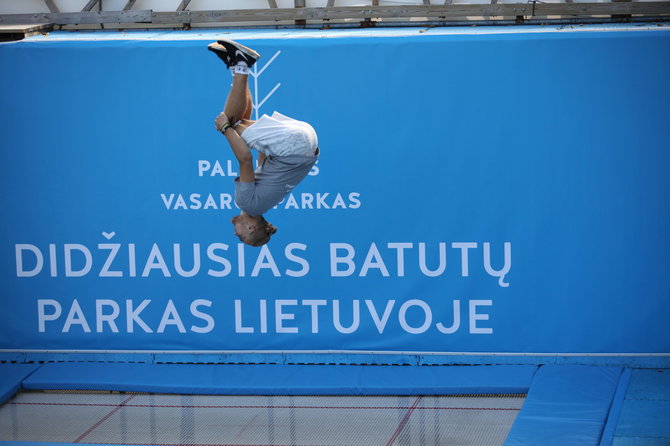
(638,441)
(11,376)
(646,410)
(566,406)
(645,418)
(649,385)
(95,280)
(615,408)
(255,34)
(284,379)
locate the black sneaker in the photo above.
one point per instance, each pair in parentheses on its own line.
(239,53)
(220,51)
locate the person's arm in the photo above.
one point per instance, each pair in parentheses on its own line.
(240,150)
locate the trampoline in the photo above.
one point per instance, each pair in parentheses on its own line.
(140,418)
(210,404)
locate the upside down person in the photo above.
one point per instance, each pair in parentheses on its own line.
(287,148)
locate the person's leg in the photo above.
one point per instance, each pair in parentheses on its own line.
(239,59)
(250,105)
(239,98)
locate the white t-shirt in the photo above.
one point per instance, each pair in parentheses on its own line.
(279,135)
(290,147)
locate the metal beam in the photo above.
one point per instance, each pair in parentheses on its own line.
(343,13)
(620,16)
(129,5)
(79,18)
(183,5)
(51,4)
(438,13)
(89,6)
(300,4)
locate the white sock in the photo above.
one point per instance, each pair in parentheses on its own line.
(241,68)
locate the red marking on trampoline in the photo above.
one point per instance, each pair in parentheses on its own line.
(186,406)
(247,426)
(403,422)
(105,418)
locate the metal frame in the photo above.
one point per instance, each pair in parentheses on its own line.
(333,16)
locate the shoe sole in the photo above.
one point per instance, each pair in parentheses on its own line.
(248,51)
(217,48)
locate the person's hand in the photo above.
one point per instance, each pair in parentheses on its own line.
(221,120)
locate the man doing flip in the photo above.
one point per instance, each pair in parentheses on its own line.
(287,148)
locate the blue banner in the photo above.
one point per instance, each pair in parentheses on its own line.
(476,192)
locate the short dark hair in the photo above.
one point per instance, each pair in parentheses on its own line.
(263,232)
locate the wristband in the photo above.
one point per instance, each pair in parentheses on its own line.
(225,127)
